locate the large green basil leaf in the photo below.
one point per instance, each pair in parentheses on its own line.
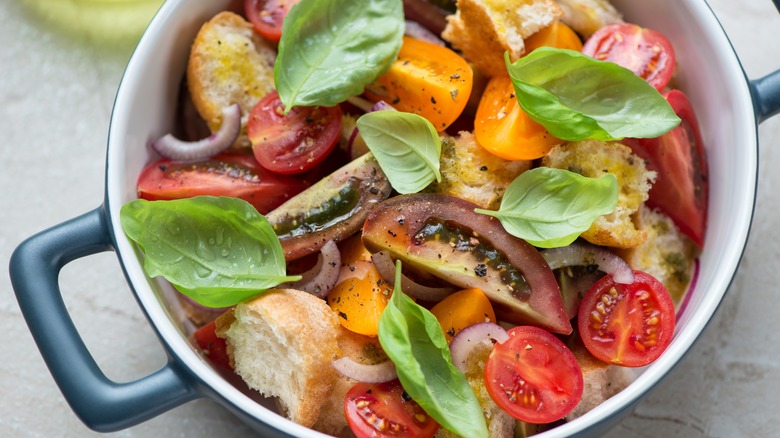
(550,207)
(406,145)
(576,97)
(217,251)
(413,339)
(331,49)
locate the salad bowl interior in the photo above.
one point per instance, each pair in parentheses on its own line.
(708,71)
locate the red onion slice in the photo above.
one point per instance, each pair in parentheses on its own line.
(420,32)
(377,373)
(321,278)
(471,337)
(171,147)
(386,268)
(582,254)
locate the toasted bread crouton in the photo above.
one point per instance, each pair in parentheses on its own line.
(588,16)
(282,344)
(667,254)
(601,380)
(474,174)
(593,158)
(229,63)
(484,29)
(500,424)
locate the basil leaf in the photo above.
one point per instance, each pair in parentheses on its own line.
(576,97)
(217,251)
(413,339)
(406,145)
(550,207)
(330,49)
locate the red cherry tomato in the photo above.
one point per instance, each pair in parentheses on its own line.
(644,51)
(229,174)
(267,16)
(681,187)
(378,410)
(212,346)
(292,143)
(627,324)
(533,376)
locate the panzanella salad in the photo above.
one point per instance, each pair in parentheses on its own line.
(418,218)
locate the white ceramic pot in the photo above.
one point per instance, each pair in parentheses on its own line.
(728,105)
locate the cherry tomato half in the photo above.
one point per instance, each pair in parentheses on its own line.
(678,157)
(267,16)
(212,346)
(384,410)
(292,143)
(504,129)
(229,174)
(627,324)
(647,53)
(533,376)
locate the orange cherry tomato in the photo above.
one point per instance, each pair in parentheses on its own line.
(556,35)
(462,309)
(360,297)
(426,79)
(504,129)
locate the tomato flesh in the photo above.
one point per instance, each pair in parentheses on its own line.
(267,16)
(295,142)
(679,159)
(627,324)
(229,174)
(212,346)
(647,53)
(384,410)
(533,376)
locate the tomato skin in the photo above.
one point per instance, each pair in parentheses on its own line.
(383,410)
(267,16)
(682,185)
(213,346)
(229,174)
(533,376)
(647,53)
(462,309)
(504,129)
(627,324)
(296,142)
(557,35)
(428,80)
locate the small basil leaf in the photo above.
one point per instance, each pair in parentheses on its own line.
(413,339)
(217,251)
(550,207)
(406,145)
(576,97)
(330,49)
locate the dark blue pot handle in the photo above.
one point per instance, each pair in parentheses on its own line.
(766,95)
(102,404)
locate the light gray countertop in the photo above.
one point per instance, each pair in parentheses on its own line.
(56,93)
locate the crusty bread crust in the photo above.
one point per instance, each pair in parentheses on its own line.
(229,63)
(593,158)
(283,344)
(484,29)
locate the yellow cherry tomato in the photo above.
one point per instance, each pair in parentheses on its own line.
(462,309)
(556,35)
(426,79)
(504,129)
(360,297)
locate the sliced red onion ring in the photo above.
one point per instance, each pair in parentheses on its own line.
(386,268)
(428,14)
(472,336)
(377,373)
(420,32)
(320,279)
(171,147)
(582,254)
